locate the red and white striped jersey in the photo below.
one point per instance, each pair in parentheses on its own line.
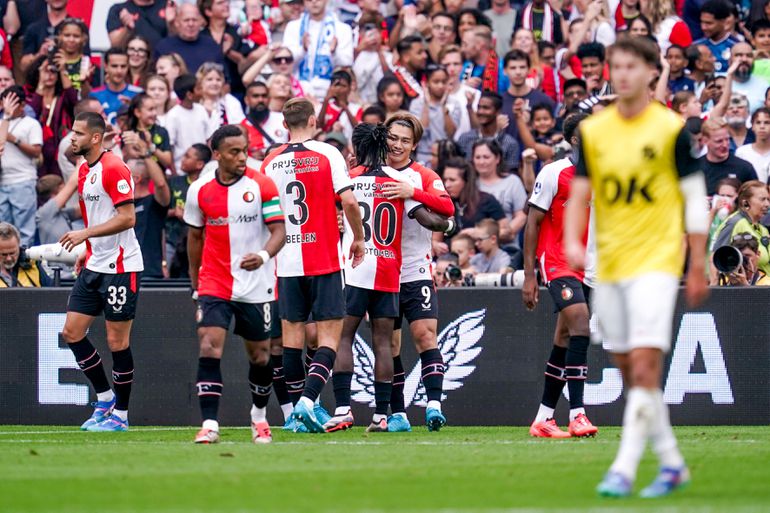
(309,176)
(550,195)
(234,218)
(102,187)
(416,239)
(383,220)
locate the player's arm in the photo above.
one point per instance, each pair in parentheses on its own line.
(123,219)
(576,214)
(432,195)
(353,215)
(194,253)
(692,184)
(277,239)
(530,290)
(431,220)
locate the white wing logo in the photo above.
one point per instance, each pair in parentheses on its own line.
(458,345)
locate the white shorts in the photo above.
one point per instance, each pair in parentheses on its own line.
(636,313)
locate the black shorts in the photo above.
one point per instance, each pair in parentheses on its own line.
(277,331)
(568,291)
(323,296)
(417,300)
(253,321)
(374,302)
(113,294)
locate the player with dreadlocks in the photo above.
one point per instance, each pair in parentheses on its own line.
(373,286)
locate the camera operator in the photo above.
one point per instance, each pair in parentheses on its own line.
(747,273)
(447,272)
(15,269)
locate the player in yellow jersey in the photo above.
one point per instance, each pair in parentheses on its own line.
(637,160)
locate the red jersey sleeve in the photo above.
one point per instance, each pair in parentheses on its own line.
(117,182)
(433,195)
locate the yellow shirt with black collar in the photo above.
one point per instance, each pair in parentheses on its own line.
(634,166)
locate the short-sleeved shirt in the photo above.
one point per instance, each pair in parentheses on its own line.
(110,99)
(309,177)
(634,166)
(534,97)
(720,49)
(262,136)
(194,53)
(383,221)
(103,186)
(487,208)
(499,261)
(234,218)
(732,167)
(17,167)
(760,162)
(149,20)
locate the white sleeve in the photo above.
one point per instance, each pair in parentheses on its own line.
(546,185)
(192,212)
(696,215)
(293,42)
(343,54)
(234,110)
(34,133)
(340,176)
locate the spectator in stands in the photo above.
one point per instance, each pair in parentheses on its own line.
(21,138)
(749,273)
(72,40)
(758,152)
(744,80)
(373,58)
(438,114)
(116,90)
(373,114)
(187,122)
(640,27)
(143,121)
(66,159)
(503,19)
(440,275)
(57,215)
(469,18)
(279,86)
(222,107)
(319,43)
(337,112)
(575,91)
(753,204)
(390,95)
(471,204)
(736,117)
(592,59)
(760,34)
(6,78)
(464,247)
(483,69)
(490,258)
(722,205)
(677,62)
(193,162)
(158,90)
(517,65)
(540,76)
(288,10)
(718,163)
(667,28)
(716,34)
(53,100)
(194,47)
(264,127)
(169,67)
(543,20)
(280,60)
(700,64)
(464,96)
(489,120)
(15,269)
(411,64)
(686,104)
(139,51)
(151,207)
(40,35)
(151,19)
(443,32)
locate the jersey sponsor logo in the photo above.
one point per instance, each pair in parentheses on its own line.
(538,188)
(438,184)
(248,196)
(91,197)
(296,165)
(458,345)
(613,190)
(223,221)
(123,187)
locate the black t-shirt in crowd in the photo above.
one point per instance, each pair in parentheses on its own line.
(534,97)
(241,46)
(487,208)
(149,21)
(175,228)
(29,12)
(732,167)
(150,220)
(194,53)
(37,33)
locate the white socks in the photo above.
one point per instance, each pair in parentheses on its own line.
(543,413)
(341,410)
(258,414)
(377,417)
(435,404)
(211,424)
(662,436)
(575,412)
(103,397)
(121,414)
(307,402)
(287,410)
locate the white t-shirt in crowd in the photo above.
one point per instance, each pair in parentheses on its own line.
(227,112)
(185,128)
(17,167)
(460,102)
(761,162)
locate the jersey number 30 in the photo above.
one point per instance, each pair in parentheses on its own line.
(389,226)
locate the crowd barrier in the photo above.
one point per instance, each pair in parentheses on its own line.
(495,350)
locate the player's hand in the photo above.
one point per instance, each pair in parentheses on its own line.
(80,262)
(74,238)
(530,292)
(251,262)
(696,287)
(576,255)
(398,190)
(357,252)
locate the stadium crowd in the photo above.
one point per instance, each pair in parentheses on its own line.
(490,80)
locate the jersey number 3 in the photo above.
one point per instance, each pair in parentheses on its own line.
(301,211)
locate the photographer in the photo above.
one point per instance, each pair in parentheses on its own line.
(747,273)
(447,272)
(15,269)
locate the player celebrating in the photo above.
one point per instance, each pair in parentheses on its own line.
(373,287)
(638,160)
(310,175)
(108,272)
(236,228)
(569,290)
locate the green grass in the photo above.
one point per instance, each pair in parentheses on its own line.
(457,470)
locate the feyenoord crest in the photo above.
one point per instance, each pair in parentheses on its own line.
(198,315)
(93,178)
(458,345)
(248,196)
(566,293)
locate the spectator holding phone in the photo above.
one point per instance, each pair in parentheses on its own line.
(40,35)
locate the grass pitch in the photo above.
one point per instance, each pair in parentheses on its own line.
(458,470)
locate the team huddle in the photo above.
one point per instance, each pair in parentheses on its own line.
(300,251)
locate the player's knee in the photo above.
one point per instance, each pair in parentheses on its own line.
(424,338)
(276,346)
(71,335)
(117,341)
(259,356)
(209,348)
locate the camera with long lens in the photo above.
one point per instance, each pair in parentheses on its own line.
(727,259)
(53,253)
(514,279)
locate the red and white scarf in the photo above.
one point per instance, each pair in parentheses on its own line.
(412,87)
(528,21)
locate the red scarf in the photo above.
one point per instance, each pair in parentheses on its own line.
(489,79)
(411,87)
